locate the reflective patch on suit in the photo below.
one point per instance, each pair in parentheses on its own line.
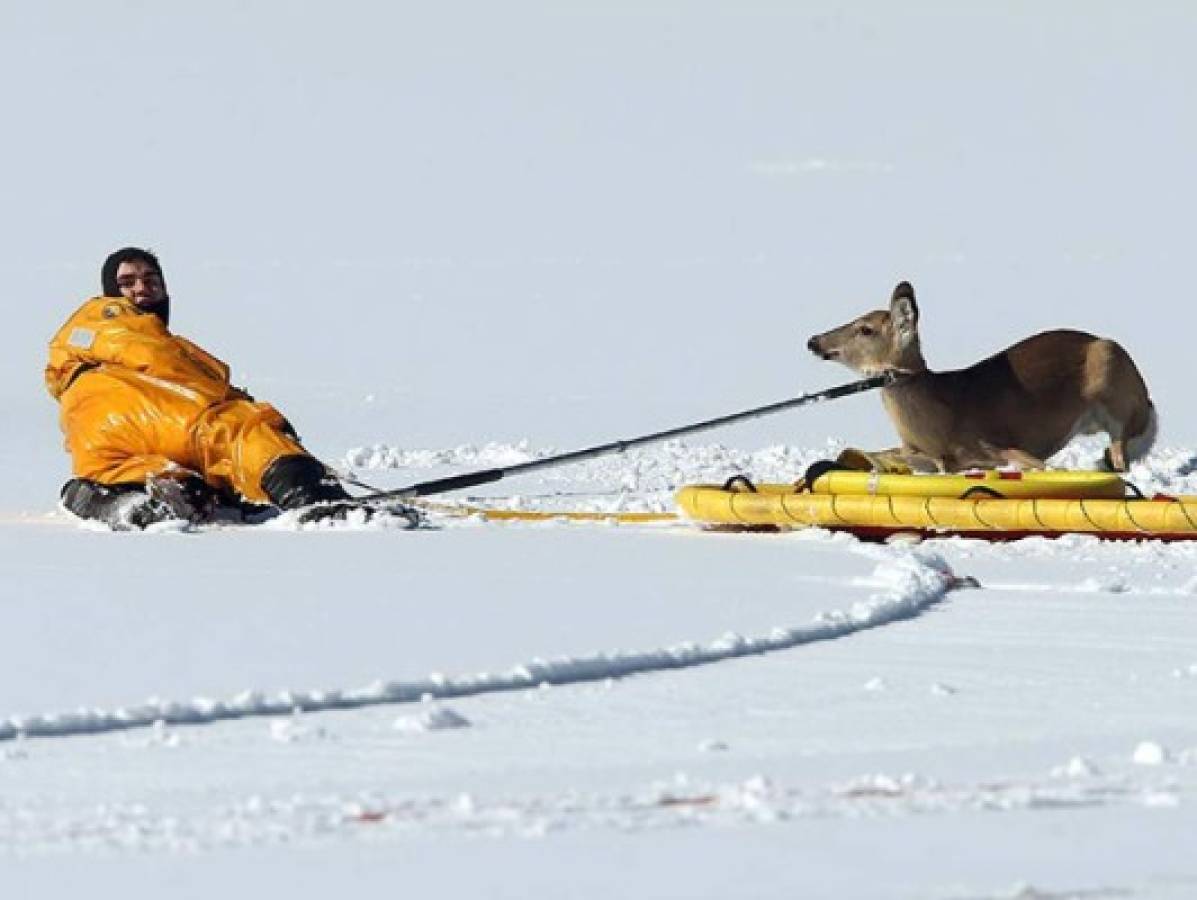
(82,338)
(178,389)
(111,311)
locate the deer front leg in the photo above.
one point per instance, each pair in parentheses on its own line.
(896,460)
(918,461)
(1024,460)
(1011,456)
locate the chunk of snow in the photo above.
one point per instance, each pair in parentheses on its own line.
(294,730)
(437,718)
(1076,767)
(1149,753)
(1111,583)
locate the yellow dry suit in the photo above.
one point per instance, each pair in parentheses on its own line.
(139,402)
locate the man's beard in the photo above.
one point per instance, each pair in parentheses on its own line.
(160,308)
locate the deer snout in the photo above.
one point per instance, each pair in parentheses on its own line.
(816,347)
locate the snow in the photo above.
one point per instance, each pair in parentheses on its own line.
(764,689)
(914,583)
(445,240)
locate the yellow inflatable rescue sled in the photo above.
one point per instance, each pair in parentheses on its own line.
(969,485)
(993,505)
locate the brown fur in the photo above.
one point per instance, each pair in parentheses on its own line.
(1018,407)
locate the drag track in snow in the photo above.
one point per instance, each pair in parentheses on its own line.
(914,580)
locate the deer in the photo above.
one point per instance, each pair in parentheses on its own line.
(1016,408)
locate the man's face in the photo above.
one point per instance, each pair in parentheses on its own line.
(140,282)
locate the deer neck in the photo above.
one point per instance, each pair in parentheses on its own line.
(915,406)
(910,360)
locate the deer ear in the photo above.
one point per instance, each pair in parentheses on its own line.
(904,312)
(903,291)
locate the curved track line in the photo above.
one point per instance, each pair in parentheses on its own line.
(917,579)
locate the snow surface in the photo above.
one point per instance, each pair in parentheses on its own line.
(450,238)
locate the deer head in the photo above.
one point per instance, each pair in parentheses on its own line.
(878,341)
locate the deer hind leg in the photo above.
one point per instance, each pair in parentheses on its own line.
(1132,444)
(1116,389)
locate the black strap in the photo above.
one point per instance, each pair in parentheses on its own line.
(739,484)
(82,370)
(821,467)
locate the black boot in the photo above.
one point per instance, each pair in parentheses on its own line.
(131,506)
(294,481)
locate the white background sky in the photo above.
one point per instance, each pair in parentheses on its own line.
(573,223)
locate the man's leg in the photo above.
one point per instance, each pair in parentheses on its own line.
(129,455)
(251,448)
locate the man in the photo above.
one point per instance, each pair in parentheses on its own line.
(154,427)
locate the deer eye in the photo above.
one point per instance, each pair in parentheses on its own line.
(866,330)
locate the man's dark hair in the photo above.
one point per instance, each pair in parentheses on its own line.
(133,254)
(124,255)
